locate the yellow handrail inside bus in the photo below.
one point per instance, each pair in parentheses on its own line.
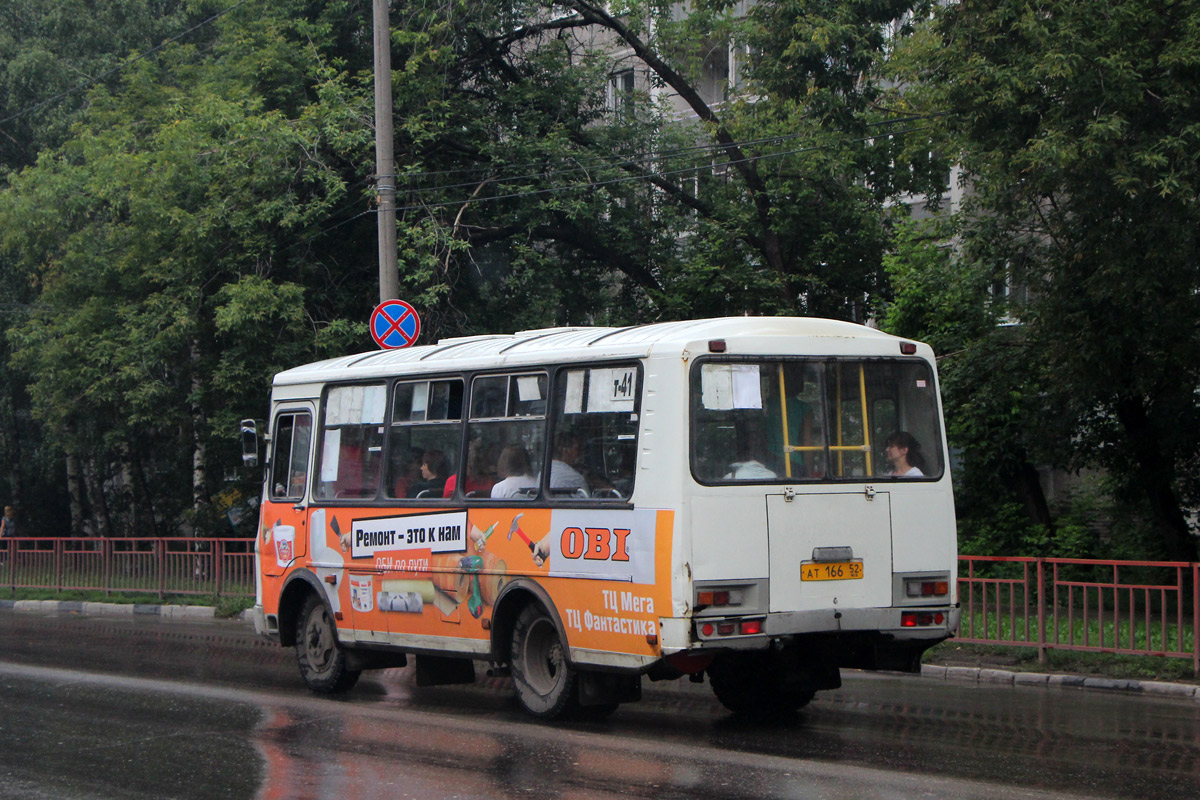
(787,448)
(862,393)
(841,471)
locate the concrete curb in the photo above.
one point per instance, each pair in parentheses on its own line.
(1009,678)
(118,609)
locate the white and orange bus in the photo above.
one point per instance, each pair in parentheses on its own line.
(759,500)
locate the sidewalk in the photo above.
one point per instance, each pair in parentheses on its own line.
(973,674)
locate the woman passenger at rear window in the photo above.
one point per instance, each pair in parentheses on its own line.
(903,451)
(433,475)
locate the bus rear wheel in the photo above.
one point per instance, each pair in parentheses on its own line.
(547,686)
(756,687)
(320,656)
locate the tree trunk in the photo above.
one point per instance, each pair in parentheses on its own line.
(201,506)
(75,492)
(1028,488)
(12,436)
(1153,472)
(95,490)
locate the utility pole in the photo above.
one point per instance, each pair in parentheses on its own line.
(385,169)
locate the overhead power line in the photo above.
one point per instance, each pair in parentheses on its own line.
(635,160)
(626,178)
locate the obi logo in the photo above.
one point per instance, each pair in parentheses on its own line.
(594,544)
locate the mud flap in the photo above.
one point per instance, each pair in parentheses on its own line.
(603,688)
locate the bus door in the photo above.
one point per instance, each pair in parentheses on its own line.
(284,536)
(829,549)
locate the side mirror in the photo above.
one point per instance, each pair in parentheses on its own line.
(249,443)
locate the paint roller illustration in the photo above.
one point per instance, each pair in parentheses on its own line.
(516,528)
(411,596)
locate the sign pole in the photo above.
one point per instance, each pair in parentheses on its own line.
(385,171)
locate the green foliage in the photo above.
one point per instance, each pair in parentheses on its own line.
(161,241)
(1076,126)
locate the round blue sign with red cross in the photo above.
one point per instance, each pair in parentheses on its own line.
(394,323)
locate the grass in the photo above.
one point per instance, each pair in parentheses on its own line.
(1135,635)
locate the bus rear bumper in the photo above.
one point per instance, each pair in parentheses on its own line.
(907,627)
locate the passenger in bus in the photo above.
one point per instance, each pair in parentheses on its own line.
(799,421)
(903,452)
(480,479)
(515,473)
(568,448)
(433,475)
(406,472)
(749,466)
(750,470)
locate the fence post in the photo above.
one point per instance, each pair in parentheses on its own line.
(160,550)
(219,558)
(1196,619)
(1041,592)
(106,552)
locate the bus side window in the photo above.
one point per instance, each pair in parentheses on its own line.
(425,434)
(596,428)
(351,442)
(507,431)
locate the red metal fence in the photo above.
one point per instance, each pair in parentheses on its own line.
(1133,607)
(211,567)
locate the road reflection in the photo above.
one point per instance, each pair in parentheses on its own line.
(130,708)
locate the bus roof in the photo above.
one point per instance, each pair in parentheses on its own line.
(549,345)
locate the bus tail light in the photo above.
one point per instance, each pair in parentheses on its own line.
(730,627)
(719,597)
(921,619)
(926,588)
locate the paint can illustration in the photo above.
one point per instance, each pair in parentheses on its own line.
(362,592)
(285,542)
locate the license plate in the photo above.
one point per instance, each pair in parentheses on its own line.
(831,571)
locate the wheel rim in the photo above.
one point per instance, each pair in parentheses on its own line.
(318,639)
(543,657)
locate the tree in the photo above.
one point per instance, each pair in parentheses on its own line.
(163,238)
(530,177)
(1077,126)
(202,218)
(998,417)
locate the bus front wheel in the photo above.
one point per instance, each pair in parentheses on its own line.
(320,656)
(546,684)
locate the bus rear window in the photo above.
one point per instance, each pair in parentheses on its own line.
(791,420)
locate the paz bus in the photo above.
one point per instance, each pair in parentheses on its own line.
(758,501)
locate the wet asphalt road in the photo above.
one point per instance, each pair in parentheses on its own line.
(142,708)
